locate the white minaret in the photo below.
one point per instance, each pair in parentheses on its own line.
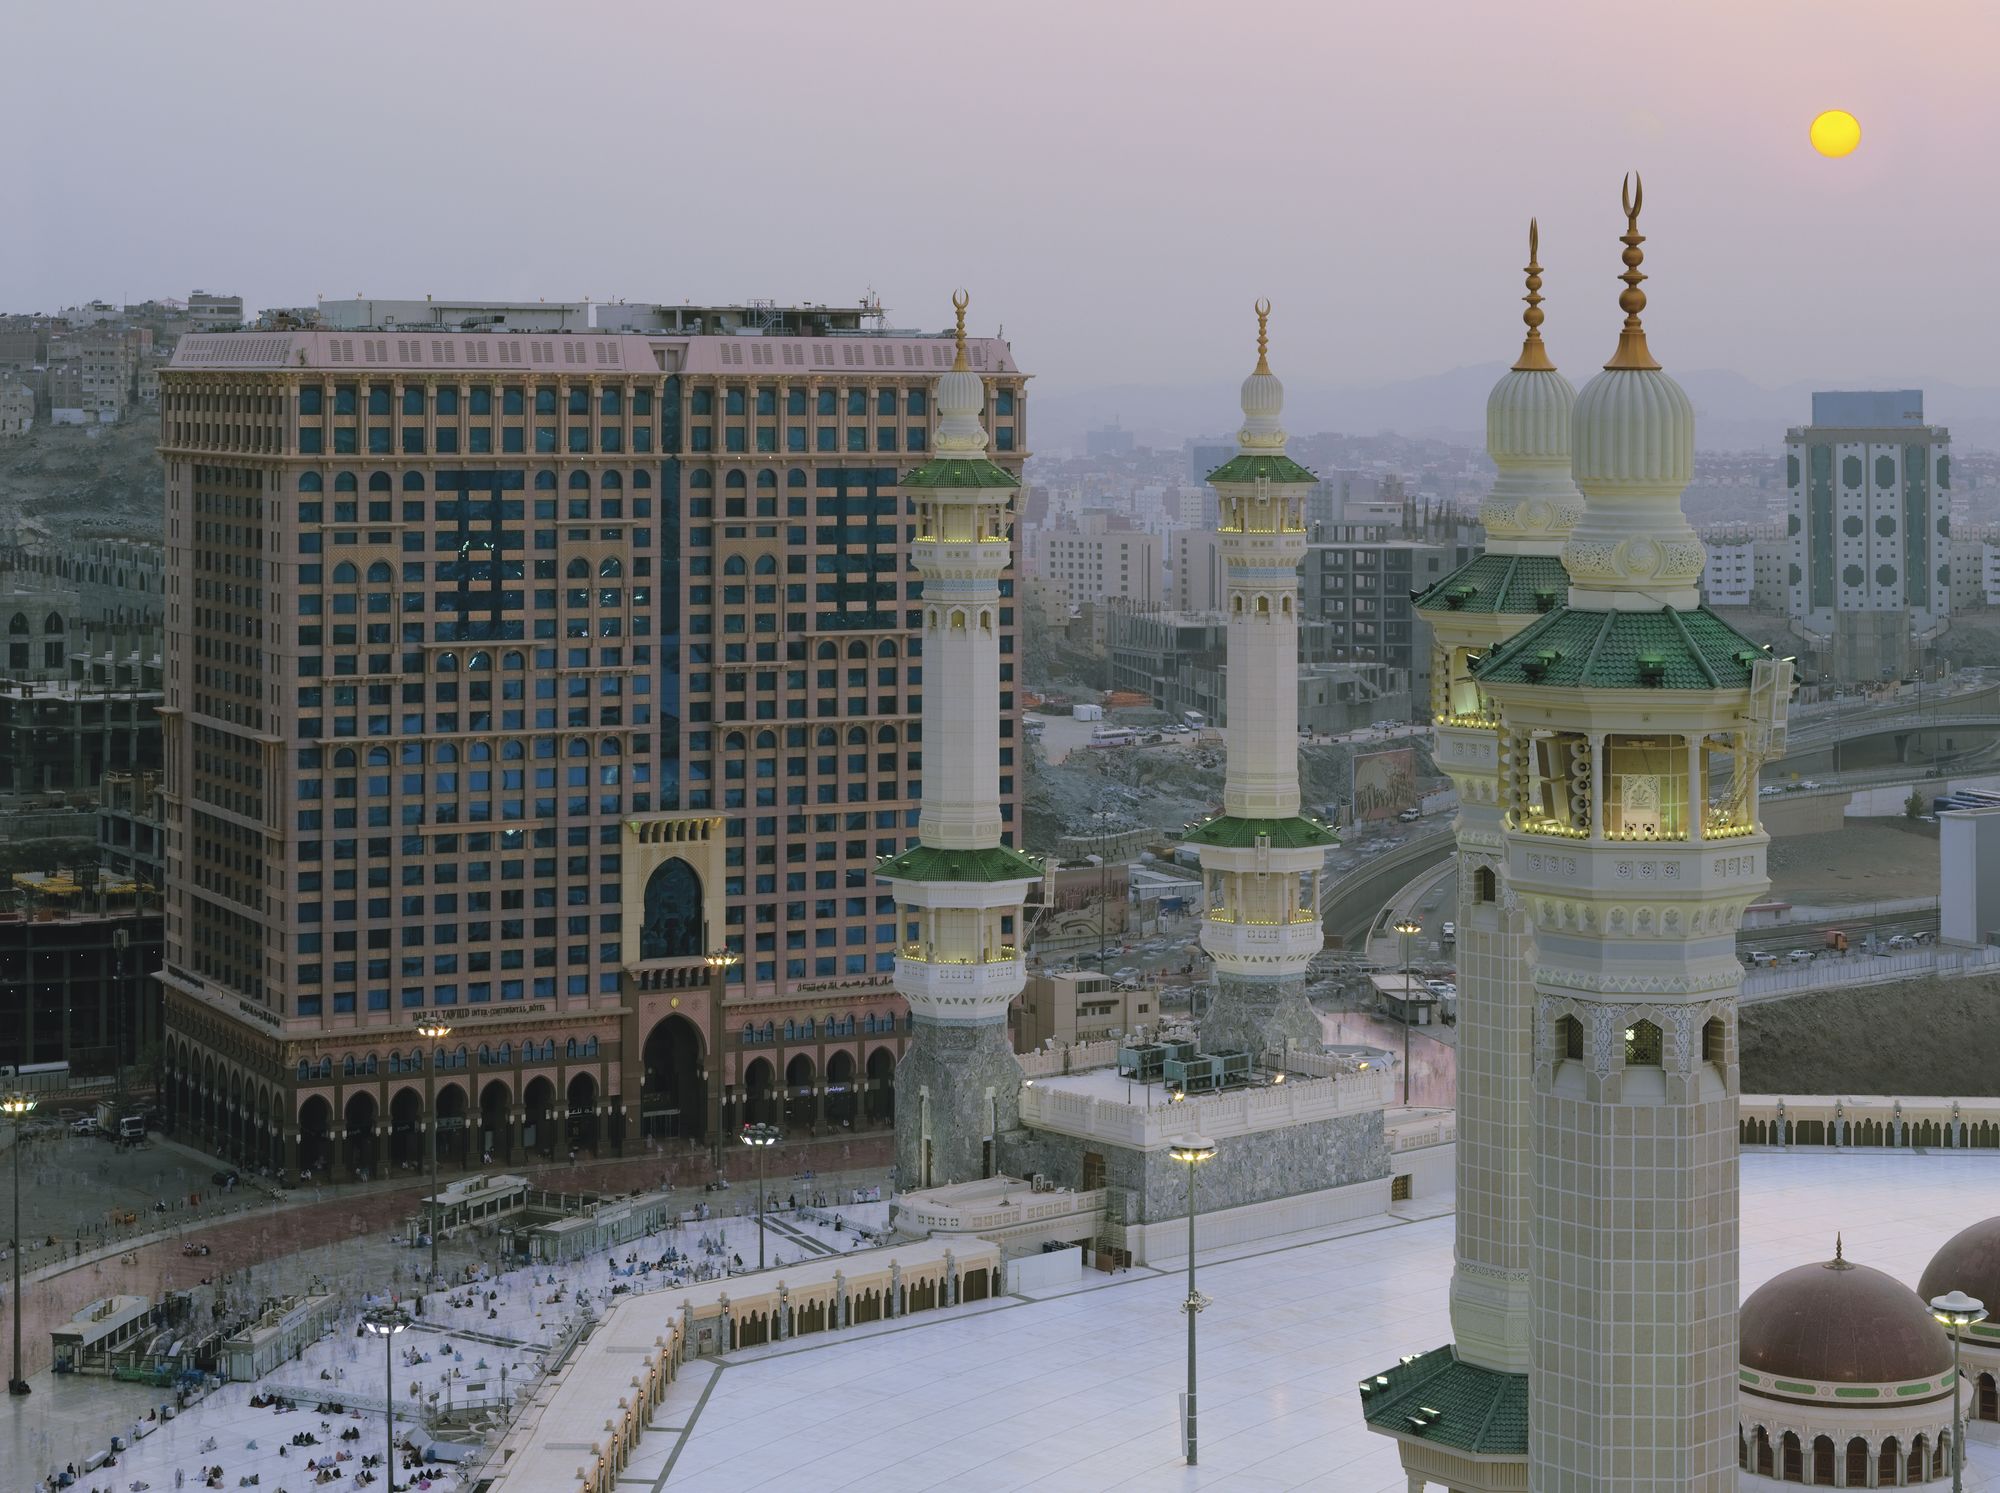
(1515,582)
(959,889)
(1261,859)
(1632,724)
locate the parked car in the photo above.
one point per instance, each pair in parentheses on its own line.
(1799,956)
(1449,930)
(1902,941)
(86,1126)
(1762,960)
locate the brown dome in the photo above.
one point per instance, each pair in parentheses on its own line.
(1841,1323)
(1968,1262)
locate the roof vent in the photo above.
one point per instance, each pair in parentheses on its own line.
(1545,599)
(1652,668)
(1536,664)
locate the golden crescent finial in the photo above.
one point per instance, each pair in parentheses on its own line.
(1632,350)
(1534,355)
(960,299)
(1263,309)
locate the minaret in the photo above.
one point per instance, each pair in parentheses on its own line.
(1482,604)
(959,889)
(1261,859)
(1632,724)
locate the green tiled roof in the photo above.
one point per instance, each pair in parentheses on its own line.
(927,863)
(1241,834)
(1434,1397)
(1251,468)
(1499,583)
(1664,649)
(958,471)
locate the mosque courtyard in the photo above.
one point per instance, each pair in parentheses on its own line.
(1073,1388)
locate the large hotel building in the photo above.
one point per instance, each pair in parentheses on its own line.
(512,674)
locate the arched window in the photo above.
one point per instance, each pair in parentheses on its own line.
(1642,1045)
(311,482)
(379,482)
(545,482)
(1714,1042)
(17,626)
(344,574)
(796,477)
(1569,1038)
(673,913)
(579,480)
(733,565)
(578,569)
(413,482)
(379,571)
(569,1048)
(767,565)
(1485,885)
(611,482)
(735,481)
(344,482)
(609,567)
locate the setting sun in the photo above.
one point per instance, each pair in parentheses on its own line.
(1836,133)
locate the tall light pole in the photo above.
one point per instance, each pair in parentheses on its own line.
(1406,930)
(719,963)
(385,1322)
(1193,1150)
(432,1032)
(121,939)
(760,1138)
(16,1108)
(1957,1311)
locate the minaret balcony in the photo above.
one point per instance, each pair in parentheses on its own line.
(963,988)
(1245,947)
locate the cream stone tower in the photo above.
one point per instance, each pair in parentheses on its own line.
(1632,724)
(1483,1373)
(959,889)
(1261,858)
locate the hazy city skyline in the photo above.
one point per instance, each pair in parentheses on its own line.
(1127,189)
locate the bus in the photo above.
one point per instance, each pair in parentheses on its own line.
(35,1078)
(1113,736)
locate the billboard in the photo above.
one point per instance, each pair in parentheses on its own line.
(1385,783)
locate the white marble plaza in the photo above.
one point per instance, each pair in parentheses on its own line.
(1078,1393)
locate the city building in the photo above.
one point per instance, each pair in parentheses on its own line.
(755,318)
(1632,726)
(1103,560)
(1199,577)
(17,408)
(209,312)
(961,888)
(509,674)
(1870,504)
(369,315)
(77,955)
(1528,515)
(62,729)
(1262,859)
(1067,1006)
(1362,587)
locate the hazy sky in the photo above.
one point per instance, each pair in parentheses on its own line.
(1115,181)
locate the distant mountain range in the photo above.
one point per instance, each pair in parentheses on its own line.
(1732,413)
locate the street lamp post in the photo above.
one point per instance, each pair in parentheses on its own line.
(760,1138)
(1193,1150)
(432,1032)
(385,1322)
(1957,1311)
(719,964)
(1406,930)
(16,1108)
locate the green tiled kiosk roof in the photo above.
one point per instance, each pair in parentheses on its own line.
(1664,649)
(958,471)
(1242,834)
(927,863)
(1499,583)
(1434,1397)
(1255,468)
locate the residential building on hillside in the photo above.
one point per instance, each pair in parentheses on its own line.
(1105,560)
(209,312)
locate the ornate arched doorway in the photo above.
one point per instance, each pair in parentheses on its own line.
(673,926)
(496,1136)
(759,1107)
(801,1101)
(583,1113)
(881,1094)
(673,1099)
(406,1110)
(538,1134)
(451,1107)
(840,1096)
(315,1135)
(361,1151)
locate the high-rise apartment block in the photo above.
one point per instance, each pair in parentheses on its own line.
(1105,559)
(508,675)
(1870,527)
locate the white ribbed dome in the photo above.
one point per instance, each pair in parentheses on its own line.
(960,395)
(1633,430)
(1263,403)
(1633,427)
(1528,417)
(1534,502)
